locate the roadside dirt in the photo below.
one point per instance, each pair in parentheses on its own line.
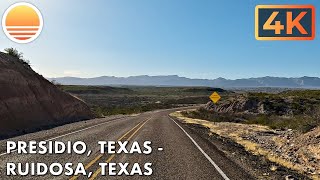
(266,153)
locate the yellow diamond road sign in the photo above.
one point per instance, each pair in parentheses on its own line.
(215,97)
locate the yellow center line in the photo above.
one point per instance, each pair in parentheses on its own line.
(99,170)
(137,130)
(129,131)
(113,155)
(93,161)
(100,156)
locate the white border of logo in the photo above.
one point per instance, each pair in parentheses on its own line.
(4,23)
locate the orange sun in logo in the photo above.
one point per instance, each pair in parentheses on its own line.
(22,23)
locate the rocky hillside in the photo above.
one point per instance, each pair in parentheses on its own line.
(287,103)
(28,102)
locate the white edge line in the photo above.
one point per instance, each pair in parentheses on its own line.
(202,151)
(67,134)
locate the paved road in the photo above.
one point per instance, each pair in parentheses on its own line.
(185,155)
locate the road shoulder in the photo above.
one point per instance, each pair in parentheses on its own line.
(257,166)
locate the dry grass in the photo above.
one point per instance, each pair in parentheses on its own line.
(238,133)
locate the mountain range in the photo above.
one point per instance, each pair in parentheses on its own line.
(174,80)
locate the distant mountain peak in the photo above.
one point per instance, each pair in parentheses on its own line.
(175,80)
(221,78)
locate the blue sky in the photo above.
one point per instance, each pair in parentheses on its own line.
(191,38)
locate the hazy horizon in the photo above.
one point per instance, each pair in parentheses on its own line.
(176,75)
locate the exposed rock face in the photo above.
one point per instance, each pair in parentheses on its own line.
(251,105)
(238,104)
(29,102)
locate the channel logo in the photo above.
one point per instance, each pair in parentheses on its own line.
(22,23)
(285,22)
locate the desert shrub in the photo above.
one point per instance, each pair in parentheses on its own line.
(14,52)
(57,84)
(19,55)
(302,123)
(209,115)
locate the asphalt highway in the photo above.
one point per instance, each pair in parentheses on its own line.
(177,152)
